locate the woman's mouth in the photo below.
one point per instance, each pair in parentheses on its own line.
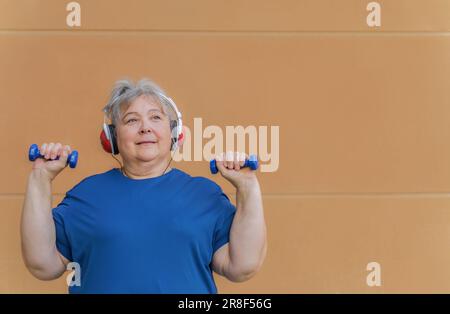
(146,143)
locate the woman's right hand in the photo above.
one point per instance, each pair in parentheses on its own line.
(48,166)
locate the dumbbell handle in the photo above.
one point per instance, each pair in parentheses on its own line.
(33,154)
(251,162)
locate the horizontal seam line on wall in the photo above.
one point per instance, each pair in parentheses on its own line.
(309,195)
(356,195)
(219,32)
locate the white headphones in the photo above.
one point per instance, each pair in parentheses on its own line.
(177,126)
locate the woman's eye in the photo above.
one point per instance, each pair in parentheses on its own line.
(156,117)
(131,120)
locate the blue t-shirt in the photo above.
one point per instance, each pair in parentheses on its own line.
(155,235)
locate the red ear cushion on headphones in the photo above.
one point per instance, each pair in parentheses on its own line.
(105,142)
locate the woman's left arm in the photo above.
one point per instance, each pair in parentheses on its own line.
(243,256)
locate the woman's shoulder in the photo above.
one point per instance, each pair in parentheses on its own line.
(205,184)
(93,179)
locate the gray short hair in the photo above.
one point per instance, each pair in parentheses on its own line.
(125,91)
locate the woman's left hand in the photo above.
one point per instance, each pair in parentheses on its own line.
(229,165)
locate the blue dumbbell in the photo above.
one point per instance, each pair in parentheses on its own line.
(251,162)
(33,154)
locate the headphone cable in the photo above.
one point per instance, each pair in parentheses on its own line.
(123,170)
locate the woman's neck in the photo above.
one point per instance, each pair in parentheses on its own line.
(142,173)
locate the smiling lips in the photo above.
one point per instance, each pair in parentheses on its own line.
(146,142)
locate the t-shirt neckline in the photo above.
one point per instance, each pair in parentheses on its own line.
(154,179)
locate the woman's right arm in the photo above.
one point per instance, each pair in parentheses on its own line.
(37,228)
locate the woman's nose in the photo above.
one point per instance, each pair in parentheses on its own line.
(145,127)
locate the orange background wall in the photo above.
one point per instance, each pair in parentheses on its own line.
(364,117)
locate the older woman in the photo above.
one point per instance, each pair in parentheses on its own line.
(146,227)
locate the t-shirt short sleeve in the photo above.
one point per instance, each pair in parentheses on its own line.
(60,218)
(224,222)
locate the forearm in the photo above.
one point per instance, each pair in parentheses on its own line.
(248,243)
(38,229)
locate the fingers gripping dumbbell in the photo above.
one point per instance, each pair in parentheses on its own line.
(33,154)
(251,162)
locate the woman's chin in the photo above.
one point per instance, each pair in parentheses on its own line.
(147,155)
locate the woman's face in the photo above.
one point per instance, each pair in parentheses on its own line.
(142,121)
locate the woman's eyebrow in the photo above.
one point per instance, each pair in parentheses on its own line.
(139,114)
